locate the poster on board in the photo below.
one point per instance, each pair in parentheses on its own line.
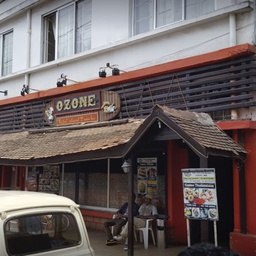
(49,179)
(147,175)
(200,194)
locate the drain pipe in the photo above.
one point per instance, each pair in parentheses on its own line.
(232,42)
(26,82)
(232,29)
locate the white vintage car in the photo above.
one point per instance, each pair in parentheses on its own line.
(33,223)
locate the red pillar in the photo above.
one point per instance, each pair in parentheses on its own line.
(176,224)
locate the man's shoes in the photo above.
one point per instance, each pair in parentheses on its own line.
(125,247)
(111,242)
(118,238)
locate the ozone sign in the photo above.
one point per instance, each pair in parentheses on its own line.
(77,103)
(82,108)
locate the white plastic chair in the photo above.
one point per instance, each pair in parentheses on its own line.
(144,232)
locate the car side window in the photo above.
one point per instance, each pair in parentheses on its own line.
(38,233)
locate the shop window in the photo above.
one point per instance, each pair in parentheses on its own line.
(67,30)
(152,14)
(6,53)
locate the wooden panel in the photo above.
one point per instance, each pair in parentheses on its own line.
(215,89)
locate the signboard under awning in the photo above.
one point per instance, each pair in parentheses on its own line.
(200,194)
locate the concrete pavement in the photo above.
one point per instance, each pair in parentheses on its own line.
(98,238)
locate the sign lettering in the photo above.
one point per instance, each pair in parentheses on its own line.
(82,107)
(86,102)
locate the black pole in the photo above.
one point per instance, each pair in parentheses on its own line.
(204,223)
(130,213)
(242,197)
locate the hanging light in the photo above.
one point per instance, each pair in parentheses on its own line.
(126,166)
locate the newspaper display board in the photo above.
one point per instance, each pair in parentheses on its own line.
(200,195)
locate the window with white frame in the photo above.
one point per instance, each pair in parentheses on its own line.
(68,30)
(152,14)
(6,53)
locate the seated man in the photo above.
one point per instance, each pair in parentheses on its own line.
(119,221)
(146,211)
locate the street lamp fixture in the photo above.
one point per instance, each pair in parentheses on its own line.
(126,166)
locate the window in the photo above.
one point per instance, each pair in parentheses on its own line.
(38,233)
(6,53)
(151,14)
(68,30)
(196,8)
(168,12)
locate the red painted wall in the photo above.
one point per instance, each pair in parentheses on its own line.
(176,224)
(250,179)
(244,244)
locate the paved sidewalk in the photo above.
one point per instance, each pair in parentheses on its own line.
(97,239)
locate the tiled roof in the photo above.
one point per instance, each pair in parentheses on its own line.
(114,139)
(29,145)
(201,129)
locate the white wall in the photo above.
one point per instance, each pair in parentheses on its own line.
(111,42)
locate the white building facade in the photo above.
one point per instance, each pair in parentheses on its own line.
(193,55)
(40,39)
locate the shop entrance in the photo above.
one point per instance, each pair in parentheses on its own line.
(225,224)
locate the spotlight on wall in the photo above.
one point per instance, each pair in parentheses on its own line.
(63,80)
(115,70)
(5,92)
(25,90)
(102,72)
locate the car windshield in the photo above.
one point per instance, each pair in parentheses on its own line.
(31,234)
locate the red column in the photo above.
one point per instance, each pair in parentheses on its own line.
(176,224)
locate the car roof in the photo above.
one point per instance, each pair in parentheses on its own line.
(14,200)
